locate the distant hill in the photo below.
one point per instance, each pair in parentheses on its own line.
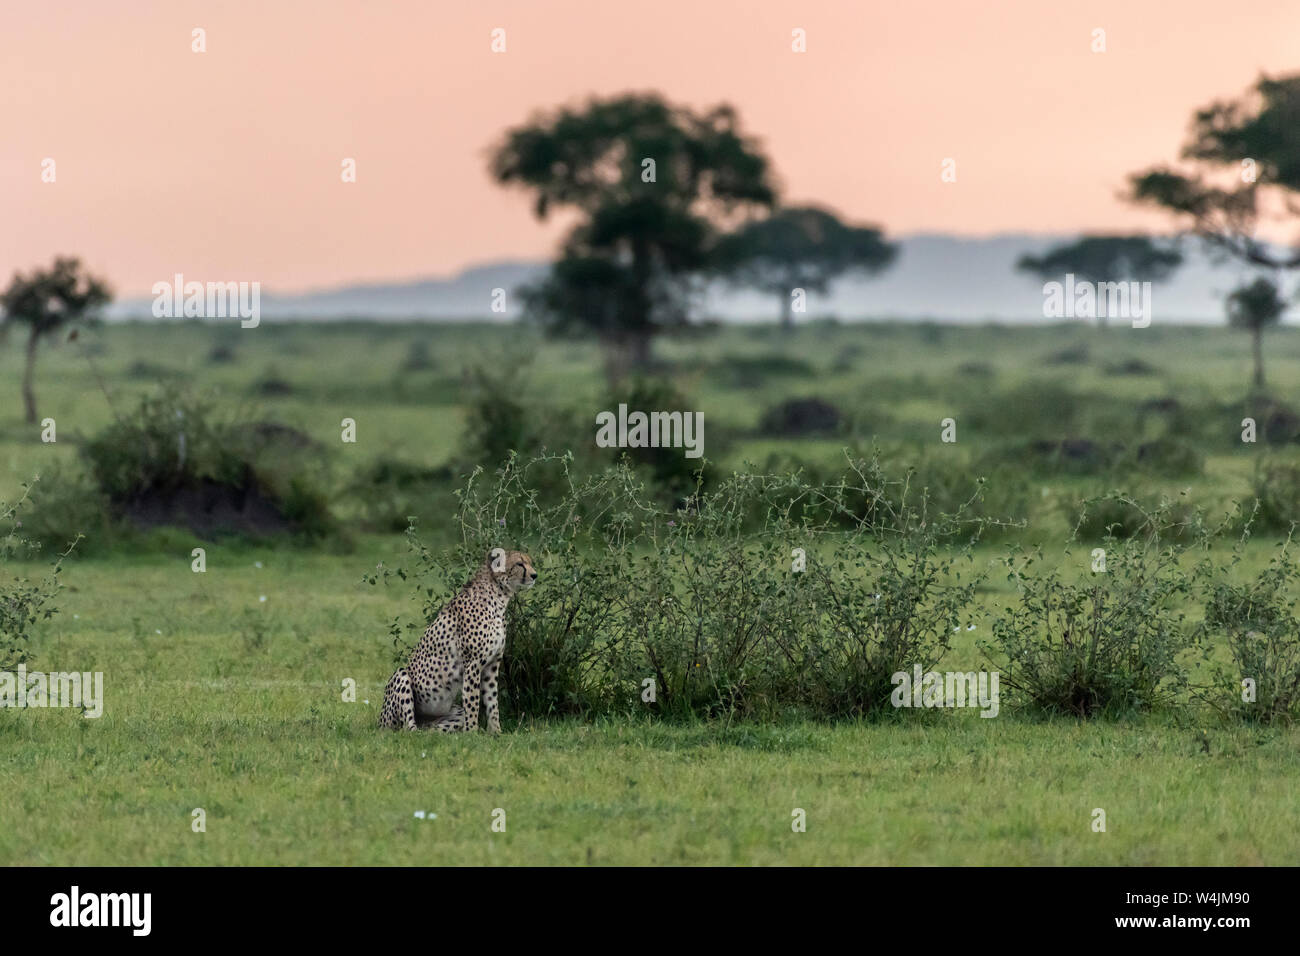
(940,277)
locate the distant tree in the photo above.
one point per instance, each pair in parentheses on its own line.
(653,185)
(1254,308)
(47,301)
(1243,165)
(1099,259)
(799,247)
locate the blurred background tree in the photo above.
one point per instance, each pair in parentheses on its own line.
(1255,307)
(47,301)
(1242,166)
(653,185)
(1106,259)
(800,247)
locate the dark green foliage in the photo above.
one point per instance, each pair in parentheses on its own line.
(1260,127)
(801,416)
(1122,517)
(644,234)
(1257,621)
(799,247)
(24,603)
(1108,643)
(668,468)
(47,301)
(698,609)
(1106,259)
(1275,489)
(65,504)
(419,357)
(181,460)
(391,491)
(1167,457)
(497,422)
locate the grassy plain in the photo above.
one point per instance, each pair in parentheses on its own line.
(223,689)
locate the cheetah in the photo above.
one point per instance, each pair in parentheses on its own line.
(460,651)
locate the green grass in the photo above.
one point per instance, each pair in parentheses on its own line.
(255,731)
(219,700)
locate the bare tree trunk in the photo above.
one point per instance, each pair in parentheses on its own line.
(1257,345)
(639,350)
(629,352)
(787,315)
(615,363)
(29,397)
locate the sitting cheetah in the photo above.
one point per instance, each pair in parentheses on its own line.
(462,647)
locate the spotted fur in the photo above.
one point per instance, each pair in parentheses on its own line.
(460,652)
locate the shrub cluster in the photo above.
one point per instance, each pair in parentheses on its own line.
(180,459)
(775,596)
(23,602)
(1105,644)
(1256,621)
(695,611)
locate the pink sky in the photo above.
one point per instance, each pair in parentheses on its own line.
(225,165)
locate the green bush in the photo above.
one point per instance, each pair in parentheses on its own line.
(694,612)
(667,468)
(502,422)
(1257,623)
(1166,457)
(419,357)
(390,491)
(1120,516)
(746,371)
(1035,408)
(1275,489)
(179,452)
(1106,643)
(24,603)
(497,423)
(1055,456)
(65,505)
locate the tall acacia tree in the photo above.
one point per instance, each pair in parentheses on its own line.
(1254,308)
(1102,258)
(653,185)
(800,247)
(1241,168)
(1240,174)
(47,301)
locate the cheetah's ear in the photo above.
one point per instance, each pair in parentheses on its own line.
(498,558)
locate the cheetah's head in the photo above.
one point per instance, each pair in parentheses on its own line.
(513,570)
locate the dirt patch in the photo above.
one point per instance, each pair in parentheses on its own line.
(1131,366)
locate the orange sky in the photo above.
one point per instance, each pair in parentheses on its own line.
(225,165)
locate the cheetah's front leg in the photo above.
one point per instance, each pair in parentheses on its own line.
(469,693)
(490,703)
